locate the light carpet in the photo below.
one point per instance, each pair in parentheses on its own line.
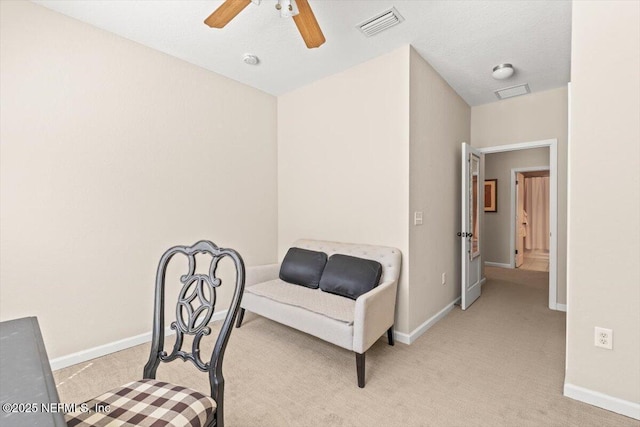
(499,363)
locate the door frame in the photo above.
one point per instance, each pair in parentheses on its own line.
(514,172)
(553,206)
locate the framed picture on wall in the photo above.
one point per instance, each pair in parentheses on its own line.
(491,195)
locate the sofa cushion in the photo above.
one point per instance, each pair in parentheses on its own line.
(303,267)
(390,258)
(332,306)
(350,276)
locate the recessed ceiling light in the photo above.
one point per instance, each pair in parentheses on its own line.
(250,59)
(502,71)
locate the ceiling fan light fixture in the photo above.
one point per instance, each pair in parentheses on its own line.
(287,8)
(300,10)
(502,71)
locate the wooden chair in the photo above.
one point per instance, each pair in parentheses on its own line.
(149,402)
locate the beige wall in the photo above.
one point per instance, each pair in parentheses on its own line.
(440,122)
(110,153)
(359,151)
(497,225)
(604,201)
(343,160)
(533,117)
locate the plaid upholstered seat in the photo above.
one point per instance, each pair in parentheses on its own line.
(147,403)
(152,403)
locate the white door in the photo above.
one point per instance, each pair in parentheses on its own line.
(471,234)
(521,220)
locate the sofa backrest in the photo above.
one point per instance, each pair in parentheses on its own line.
(390,258)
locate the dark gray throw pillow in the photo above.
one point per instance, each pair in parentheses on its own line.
(350,276)
(303,267)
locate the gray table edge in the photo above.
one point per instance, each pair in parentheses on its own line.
(25,374)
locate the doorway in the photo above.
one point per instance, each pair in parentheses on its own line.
(552,144)
(531,220)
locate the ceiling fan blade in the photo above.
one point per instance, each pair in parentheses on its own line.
(308,26)
(226,12)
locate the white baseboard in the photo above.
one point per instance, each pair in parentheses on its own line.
(604,401)
(496,264)
(561,307)
(112,347)
(409,338)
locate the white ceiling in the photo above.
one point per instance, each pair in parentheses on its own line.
(462,40)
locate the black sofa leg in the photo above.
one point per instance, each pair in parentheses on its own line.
(360,369)
(390,336)
(240,317)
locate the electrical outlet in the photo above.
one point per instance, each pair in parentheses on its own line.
(603,338)
(444,278)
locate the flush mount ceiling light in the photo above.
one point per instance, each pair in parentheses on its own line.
(502,71)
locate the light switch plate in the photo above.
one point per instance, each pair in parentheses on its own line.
(417,218)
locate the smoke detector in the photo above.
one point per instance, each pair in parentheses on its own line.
(250,59)
(380,22)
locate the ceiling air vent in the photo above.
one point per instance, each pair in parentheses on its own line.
(510,92)
(380,22)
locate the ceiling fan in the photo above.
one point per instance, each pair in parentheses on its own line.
(300,10)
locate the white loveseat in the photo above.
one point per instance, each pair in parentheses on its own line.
(351,324)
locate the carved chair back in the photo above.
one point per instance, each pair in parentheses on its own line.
(199,290)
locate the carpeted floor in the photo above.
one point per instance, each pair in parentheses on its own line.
(500,363)
(537,260)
